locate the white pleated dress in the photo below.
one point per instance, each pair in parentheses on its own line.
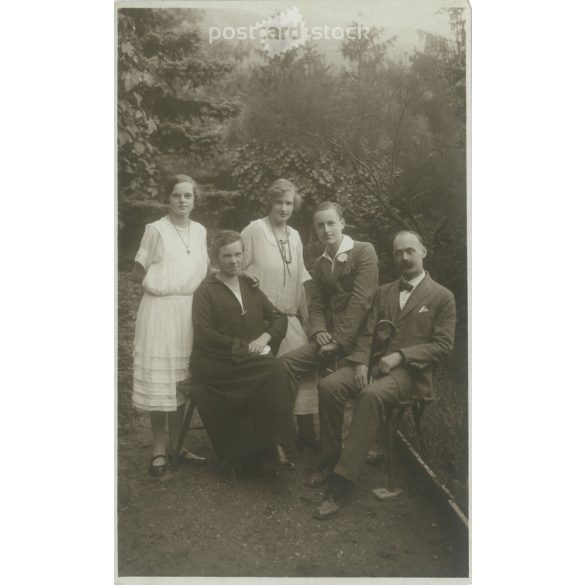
(164,330)
(263,260)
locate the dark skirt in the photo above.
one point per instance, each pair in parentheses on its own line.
(245,407)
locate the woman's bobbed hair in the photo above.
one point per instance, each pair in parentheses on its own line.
(223,238)
(175,180)
(280,187)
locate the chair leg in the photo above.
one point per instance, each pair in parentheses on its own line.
(184,428)
(389,445)
(376,455)
(418,410)
(393,418)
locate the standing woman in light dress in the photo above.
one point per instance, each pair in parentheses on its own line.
(171,263)
(273,252)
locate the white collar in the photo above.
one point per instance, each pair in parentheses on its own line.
(346,246)
(269,230)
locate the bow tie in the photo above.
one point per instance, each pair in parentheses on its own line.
(405,286)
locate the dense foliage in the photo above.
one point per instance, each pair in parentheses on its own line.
(168,100)
(384,136)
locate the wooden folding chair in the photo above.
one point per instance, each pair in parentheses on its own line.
(186,386)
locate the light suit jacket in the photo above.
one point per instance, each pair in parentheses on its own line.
(425,332)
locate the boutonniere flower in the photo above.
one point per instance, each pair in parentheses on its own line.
(342,257)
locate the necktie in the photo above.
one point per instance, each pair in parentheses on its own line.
(405,286)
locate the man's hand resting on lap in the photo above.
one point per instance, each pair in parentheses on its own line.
(323,338)
(389,362)
(361,376)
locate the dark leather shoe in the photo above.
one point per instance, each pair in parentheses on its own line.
(329,508)
(319,478)
(192,459)
(187,458)
(337,495)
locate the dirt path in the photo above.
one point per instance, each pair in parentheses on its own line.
(195,522)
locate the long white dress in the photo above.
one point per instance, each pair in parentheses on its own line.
(263,259)
(164,330)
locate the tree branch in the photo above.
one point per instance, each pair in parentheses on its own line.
(438,230)
(415,196)
(356,163)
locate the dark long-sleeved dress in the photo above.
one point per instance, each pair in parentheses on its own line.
(243,400)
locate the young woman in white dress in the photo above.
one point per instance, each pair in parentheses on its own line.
(171,263)
(273,253)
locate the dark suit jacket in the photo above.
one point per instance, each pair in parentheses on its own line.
(342,299)
(425,331)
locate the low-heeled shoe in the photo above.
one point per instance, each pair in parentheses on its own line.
(158,470)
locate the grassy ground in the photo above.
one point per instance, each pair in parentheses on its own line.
(198,522)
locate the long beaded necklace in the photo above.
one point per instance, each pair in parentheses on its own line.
(188,244)
(284,250)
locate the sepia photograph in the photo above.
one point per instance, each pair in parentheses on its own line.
(276,281)
(292,351)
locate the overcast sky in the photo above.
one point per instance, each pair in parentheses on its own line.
(397,17)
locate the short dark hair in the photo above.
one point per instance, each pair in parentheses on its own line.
(221,239)
(416,234)
(175,180)
(280,187)
(329,205)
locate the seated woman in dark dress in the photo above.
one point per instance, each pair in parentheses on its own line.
(240,388)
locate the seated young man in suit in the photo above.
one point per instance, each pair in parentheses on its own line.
(345,281)
(423,312)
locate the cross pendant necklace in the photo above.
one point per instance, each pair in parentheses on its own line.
(188,244)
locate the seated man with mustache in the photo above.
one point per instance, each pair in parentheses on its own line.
(423,313)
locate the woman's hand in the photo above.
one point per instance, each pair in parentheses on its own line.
(257,346)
